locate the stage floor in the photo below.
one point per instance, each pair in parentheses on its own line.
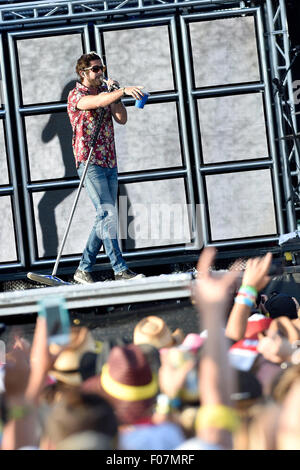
(78,296)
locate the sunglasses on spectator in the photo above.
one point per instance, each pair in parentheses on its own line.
(96,68)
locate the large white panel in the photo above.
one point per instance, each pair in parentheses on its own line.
(7,236)
(157,214)
(241,205)
(49,142)
(46,65)
(140,56)
(51,212)
(150,139)
(224,51)
(232,128)
(3,158)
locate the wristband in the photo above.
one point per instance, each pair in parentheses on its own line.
(217,416)
(244,301)
(249,289)
(244,294)
(123,89)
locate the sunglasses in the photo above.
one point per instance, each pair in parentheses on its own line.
(96,68)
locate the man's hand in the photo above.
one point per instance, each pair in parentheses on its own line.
(134,91)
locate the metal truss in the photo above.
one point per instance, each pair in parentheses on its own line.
(281,72)
(33,12)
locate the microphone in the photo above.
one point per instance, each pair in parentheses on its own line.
(111,87)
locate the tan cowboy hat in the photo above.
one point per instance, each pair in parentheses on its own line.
(66,368)
(153,330)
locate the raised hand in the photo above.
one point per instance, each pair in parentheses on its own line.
(256,272)
(209,289)
(274,347)
(171,378)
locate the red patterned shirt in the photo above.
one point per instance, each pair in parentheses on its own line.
(83,124)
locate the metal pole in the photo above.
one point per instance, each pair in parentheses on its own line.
(97,129)
(291,218)
(194,130)
(270,127)
(288,78)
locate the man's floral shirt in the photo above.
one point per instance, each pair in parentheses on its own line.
(83,124)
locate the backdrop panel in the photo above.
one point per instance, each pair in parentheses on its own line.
(241,204)
(46,65)
(7,236)
(49,146)
(224,51)
(140,56)
(232,128)
(4,179)
(51,213)
(157,214)
(150,139)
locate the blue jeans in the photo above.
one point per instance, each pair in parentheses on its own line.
(102,187)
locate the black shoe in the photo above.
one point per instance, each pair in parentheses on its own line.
(127,274)
(83,277)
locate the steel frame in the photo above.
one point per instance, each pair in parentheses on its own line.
(42,18)
(21,111)
(39,12)
(194,94)
(279,45)
(176,96)
(11,189)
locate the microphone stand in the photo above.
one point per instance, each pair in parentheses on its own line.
(53,280)
(92,147)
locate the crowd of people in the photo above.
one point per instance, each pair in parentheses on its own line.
(231,385)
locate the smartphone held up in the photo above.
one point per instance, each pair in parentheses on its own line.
(54,309)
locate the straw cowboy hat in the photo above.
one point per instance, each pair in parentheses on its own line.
(127,382)
(153,330)
(66,368)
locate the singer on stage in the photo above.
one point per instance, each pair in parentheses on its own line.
(85,101)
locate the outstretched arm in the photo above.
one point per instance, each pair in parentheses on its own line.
(212,296)
(107,98)
(255,279)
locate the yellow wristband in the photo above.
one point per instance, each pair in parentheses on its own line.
(123,89)
(217,416)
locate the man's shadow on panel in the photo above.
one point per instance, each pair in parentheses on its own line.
(59,125)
